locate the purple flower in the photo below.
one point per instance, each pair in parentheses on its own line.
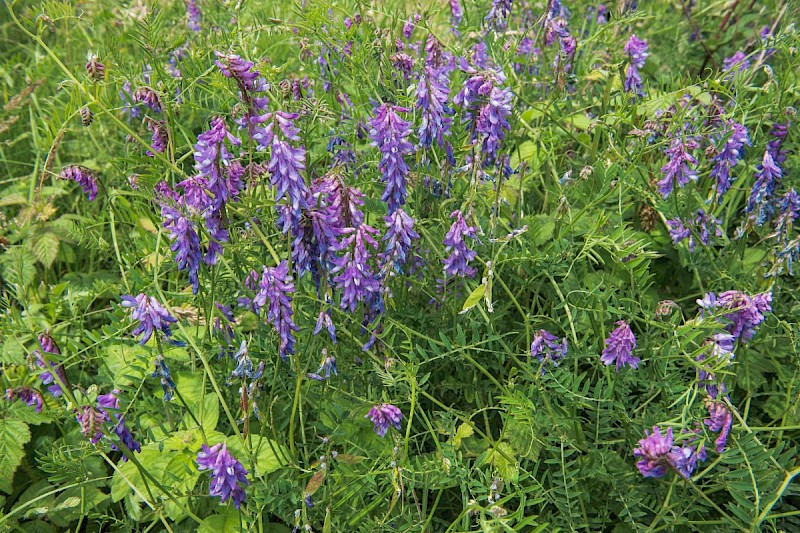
(49,346)
(767,176)
(83,177)
(110,401)
(228,476)
(150,315)
(488,108)
(162,371)
(185,241)
(619,347)
(159,137)
(743,312)
(324,320)
(211,156)
(658,453)
(129,107)
(28,395)
(408,27)
(432,92)
(677,171)
(382,416)
(719,420)
(548,348)
(193,16)
(654,451)
(720,351)
(354,275)
(285,167)
(497,17)
(779,133)
(276,287)
(456,12)
(399,235)
(388,133)
(149,97)
(637,52)
(457,263)
(728,155)
(702,224)
(737,61)
(91,421)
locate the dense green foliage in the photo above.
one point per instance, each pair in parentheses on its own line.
(572,241)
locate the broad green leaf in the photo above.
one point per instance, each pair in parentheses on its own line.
(45,247)
(221,523)
(14,434)
(19,267)
(267,460)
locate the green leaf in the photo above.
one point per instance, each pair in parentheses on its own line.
(502,456)
(19,267)
(541,228)
(14,434)
(266,460)
(221,523)
(45,247)
(474,298)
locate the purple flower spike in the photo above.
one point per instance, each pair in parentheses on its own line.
(399,234)
(735,63)
(383,416)
(150,315)
(619,347)
(653,450)
(719,420)
(28,395)
(49,346)
(658,454)
(83,177)
(211,156)
(285,169)
(193,16)
(677,171)
(729,154)
(432,92)
(388,132)
(354,275)
(497,17)
(743,312)
(110,401)
(767,177)
(185,242)
(457,263)
(456,12)
(548,348)
(228,476)
(276,287)
(637,52)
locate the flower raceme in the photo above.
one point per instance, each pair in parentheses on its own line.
(619,347)
(457,263)
(388,132)
(636,49)
(548,348)
(657,454)
(383,416)
(228,476)
(149,314)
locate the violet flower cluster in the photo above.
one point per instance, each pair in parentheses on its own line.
(83,177)
(432,93)
(497,17)
(636,49)
(487,107)
(31,397)
(703,225)
(682,166)
(399,234)
(51,370)
(719,421)
(228,476)
(353,274)
(151,316)
(274,289)
(457,263)
(658,454)
(388,132)
(619,347)
(733,137)
(743,313)
(760,205)
(384,415)
(106,402)
(548,348)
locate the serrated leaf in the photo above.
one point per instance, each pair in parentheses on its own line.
(19,267)
(502,457)
(464,431)
(14,434)
(45,247)
(473,298)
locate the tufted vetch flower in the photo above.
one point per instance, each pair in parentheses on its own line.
(228,476)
